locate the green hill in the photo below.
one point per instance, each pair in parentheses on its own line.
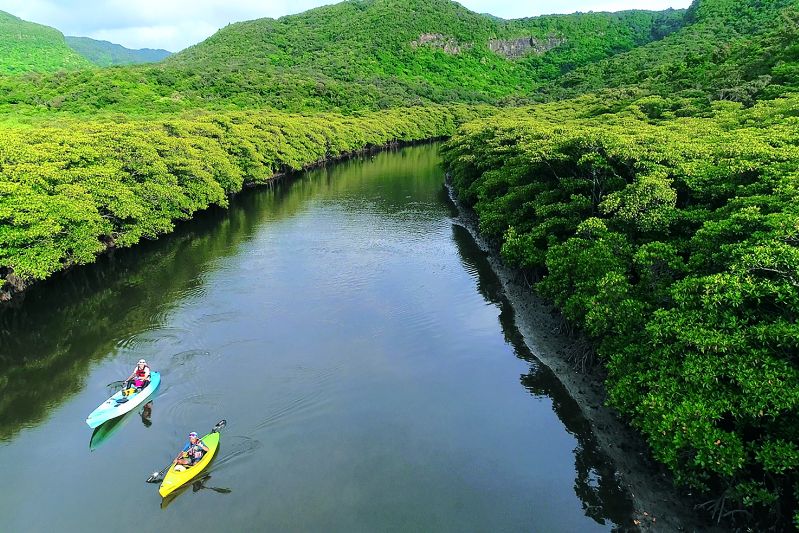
(106,54)
(365,54)
(728,50)
(29,47)
(434,49)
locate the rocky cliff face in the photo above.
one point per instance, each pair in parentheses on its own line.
(516,48)
(437,40)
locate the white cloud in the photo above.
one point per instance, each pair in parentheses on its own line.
(176,24)
(517,9)
(167,37)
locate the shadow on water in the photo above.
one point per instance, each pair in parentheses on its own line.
(196,486)
(596,482)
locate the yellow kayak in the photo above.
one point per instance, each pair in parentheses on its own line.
(175,479)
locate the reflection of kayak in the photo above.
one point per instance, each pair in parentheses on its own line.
(172,496)
(116,405)
(106,430)
(174,479)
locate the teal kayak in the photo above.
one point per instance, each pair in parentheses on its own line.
(117,406)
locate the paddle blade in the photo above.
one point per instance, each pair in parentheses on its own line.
(219,425)
(158,476)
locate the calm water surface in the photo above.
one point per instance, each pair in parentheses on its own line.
(357,343)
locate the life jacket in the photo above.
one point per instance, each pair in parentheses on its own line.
(141,372)
(195,452)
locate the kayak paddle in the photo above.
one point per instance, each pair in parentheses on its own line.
(156,476)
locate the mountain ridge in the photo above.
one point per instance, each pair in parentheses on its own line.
(29,47)
(358,54)
(105,53)
(727,50)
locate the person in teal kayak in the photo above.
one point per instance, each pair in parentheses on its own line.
(191,453)
(140,377)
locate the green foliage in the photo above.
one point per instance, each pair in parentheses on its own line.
(106,54)
(674,244)
(67,192)
(29,47)
(727,50)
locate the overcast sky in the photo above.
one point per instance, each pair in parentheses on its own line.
(176,24)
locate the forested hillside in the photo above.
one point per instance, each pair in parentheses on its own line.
(433,49)
(358,54)
(728,50)
(106,54)
(29,47)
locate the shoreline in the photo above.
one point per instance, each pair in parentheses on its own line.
(13,288)
(657,504)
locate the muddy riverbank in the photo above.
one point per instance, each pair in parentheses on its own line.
(659,506)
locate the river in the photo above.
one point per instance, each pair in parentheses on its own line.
(355,340)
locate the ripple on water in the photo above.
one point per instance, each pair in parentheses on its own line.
(290,409)
(185,408)
(236,448)
(187,362)
(194,292)
(309,390)
(218,318)
(171,335)
(135,342)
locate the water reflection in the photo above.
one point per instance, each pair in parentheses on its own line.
(331,316)
(50,339)
(106,430)
(196,486)
(596,482)
(147,414)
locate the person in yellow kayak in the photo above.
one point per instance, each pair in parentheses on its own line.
(191,453)
(140,377)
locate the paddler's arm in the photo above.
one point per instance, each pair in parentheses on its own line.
(182,452)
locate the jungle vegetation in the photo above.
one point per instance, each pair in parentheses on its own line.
(673,245)
(661,216)
(641,169)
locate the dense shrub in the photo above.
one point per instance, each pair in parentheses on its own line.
(674,245)
(69,191)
